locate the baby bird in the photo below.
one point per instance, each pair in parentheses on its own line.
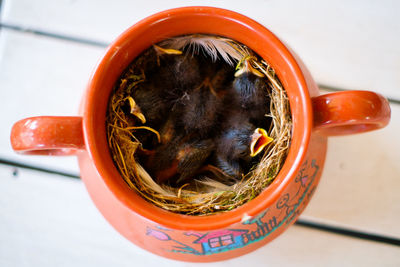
(238,144)
(178,156)
(250,90)
(168,74)
(179,160)
(200,110)
(148,99)
(176,74)
(219,73)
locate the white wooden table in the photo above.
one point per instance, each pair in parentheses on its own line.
(47,51)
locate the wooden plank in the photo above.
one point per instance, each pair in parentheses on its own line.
(350,44)
(360,182)
(355,161)
(50,221)
(358,187)
(41,76)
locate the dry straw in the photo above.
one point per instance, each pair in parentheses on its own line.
(207,196)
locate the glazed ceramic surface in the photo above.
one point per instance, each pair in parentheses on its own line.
(220,236)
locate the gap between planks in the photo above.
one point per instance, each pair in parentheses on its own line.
(96,43)
(300,222)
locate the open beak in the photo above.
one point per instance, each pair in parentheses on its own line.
(259,140)
(135,110)
(245,66)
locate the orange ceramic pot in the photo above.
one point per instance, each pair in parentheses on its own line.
(220,236)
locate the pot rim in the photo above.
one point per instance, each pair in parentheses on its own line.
(226,23)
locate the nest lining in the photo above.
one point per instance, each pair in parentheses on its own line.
(206,196)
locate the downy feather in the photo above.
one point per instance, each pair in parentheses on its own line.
(212,46)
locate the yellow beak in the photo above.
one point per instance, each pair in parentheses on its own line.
(168,51)
(245,66)
(135,110)
(259,140)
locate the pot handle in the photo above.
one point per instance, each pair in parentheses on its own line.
(48,135)
(350,112)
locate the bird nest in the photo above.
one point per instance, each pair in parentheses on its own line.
(133,137)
